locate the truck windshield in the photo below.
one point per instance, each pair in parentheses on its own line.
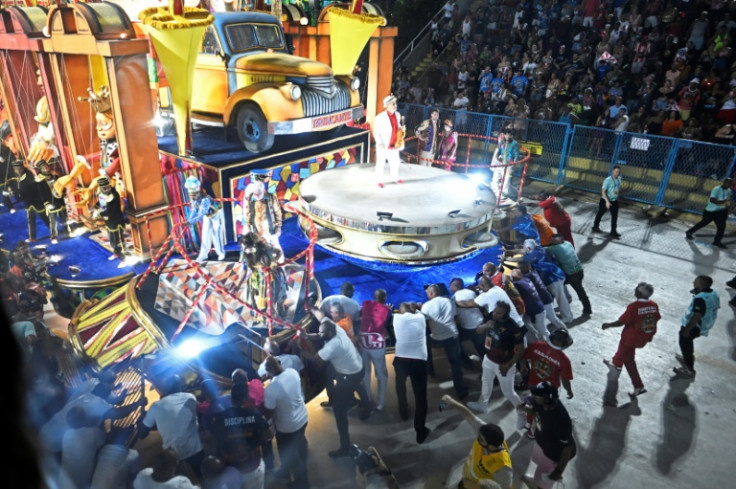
(243,37)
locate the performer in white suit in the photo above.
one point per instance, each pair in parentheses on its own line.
(388,133)
(213,221)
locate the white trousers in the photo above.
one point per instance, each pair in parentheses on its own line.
(392,156)
(377,358)
(492,370)
(213,235)
(537,324)
(549,310)
(255,479)
(498,174)
(557,289)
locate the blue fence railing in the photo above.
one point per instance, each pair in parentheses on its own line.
(657,170)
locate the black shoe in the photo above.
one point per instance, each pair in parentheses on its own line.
(365,414)
(596,229)
(732,283)
(720,245)
(422,435)
(339,453)
(689,236)
(614,235)
(463,395)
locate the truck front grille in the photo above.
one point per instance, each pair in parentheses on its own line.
(316,102)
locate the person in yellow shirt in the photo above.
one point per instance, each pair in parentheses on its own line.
(489,462)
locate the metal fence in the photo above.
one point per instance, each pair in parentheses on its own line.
(657,170)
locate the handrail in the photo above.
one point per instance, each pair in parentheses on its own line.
(438,17)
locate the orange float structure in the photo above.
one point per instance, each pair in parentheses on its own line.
(91,46)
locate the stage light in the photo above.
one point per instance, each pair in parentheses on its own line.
(462,186)
(476,177)
(384,215)
(190,348)
(453,213)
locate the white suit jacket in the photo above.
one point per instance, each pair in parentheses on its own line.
(382,128)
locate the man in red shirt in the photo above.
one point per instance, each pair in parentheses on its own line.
(640,325)
(556,215)
(548,361)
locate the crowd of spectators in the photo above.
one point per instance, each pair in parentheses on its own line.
(656,67)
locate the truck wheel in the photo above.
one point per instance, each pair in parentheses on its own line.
(253,129)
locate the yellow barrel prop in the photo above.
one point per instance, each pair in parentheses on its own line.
(349,33)
(176,39)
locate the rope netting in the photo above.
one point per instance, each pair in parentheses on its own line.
(467,165)
(173,243)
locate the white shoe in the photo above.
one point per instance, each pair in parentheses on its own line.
(221,257)
(54,241)
(479,407)
(112,257)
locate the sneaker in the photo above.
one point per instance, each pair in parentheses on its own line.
(689,236)
(596,229)
(614,235)
(732,283)
(684,372)
(479,407)
(339,453)
(637,391)
(720,245)
(54,241)
(220,257)
(112,257)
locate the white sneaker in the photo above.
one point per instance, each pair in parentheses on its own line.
(479,407)
(112,257)
(54,241)
(221,257)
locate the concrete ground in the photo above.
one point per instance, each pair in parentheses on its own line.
(674,436)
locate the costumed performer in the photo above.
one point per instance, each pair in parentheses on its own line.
(110,209)
(31,198)
(42,143)
(428,132)
(258,255)
(8,154)
(204,208)
(53,201)
(507,152)
(262,214)
(447,145)
(387,131)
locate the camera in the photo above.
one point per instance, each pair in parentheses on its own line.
(363,459)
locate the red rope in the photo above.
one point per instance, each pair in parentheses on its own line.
(195,301)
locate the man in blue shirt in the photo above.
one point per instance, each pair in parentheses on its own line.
(610,191)
(518,84)
(568,260)
(716,210)
(699,319)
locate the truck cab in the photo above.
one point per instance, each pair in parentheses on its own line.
(245,77)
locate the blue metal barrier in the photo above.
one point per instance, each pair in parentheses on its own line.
(657,170)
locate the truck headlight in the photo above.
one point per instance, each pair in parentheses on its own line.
(355,83)
(295,92)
